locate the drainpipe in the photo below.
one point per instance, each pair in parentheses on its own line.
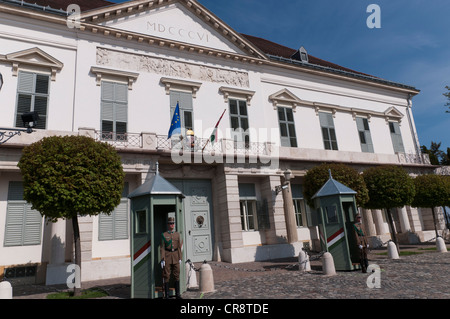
(413,129)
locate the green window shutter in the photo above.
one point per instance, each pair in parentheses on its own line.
(106,227)
(23,225)
(263,218)
(185,101)
(33,227)
(114,108)
(328,131)
(396,136)
(121,220)
(365,136)
(311,216)
(32,95)
(115,226)
(287,127)
(14,224)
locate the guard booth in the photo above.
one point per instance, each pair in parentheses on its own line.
(336,207)
(151,206)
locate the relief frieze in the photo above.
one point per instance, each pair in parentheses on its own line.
(170,68)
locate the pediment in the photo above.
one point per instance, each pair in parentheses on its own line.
(33,57)
(285,97)
(180,21)
(393,112)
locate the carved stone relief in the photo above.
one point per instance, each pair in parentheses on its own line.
(165,67)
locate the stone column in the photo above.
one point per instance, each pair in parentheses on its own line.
(56,269)
(404,220)
(289,214)
(368,222)
(379,223)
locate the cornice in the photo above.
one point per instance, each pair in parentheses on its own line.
(88,25)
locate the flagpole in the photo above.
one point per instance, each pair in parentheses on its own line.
(217,125)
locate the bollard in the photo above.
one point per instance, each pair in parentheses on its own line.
(191,277)
(441,247)
(6,291)
(303,262)
(328,265)
(206,279)
(392,251)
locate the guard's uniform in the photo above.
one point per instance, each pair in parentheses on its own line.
(361,241)
(171,253)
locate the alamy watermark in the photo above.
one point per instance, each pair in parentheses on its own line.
(374,19)
(264,148)
(374,280)
(74,18)
(74,279)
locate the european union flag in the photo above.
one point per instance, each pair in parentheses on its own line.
(175,127)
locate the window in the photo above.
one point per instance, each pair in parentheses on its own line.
(247,197)
(239,123)
(328,131)
(115,225)
(114,111)
(396,136)
(23,225)
(184,99)
(332,216)
(141,222)
(299,204)
(248,215)
(287,127)
(32,95)
(364,135)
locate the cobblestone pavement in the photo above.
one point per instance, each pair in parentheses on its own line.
(422,276)
(414,277)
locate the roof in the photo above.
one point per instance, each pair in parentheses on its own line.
(333,187)
(279,50)
(157,185)
(268,49)
(85,5)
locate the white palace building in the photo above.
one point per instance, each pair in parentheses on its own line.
(115,72)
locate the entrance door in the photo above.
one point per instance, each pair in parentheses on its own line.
(198,245)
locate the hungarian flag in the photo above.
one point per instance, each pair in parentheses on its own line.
(213,137)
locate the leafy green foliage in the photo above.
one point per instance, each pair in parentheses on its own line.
(432,191)
(66,176)
(389,187)
(319,175)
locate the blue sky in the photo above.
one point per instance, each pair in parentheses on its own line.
(411,47)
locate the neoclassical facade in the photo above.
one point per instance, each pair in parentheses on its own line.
(116,73)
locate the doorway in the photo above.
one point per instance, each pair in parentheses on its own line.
(198,218)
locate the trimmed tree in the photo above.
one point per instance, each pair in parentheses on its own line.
(71,176)
(432,191)
(389,187)
(316,177)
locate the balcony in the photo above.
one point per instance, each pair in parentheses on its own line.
(227,148)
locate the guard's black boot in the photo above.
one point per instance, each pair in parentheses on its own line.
(166,290)
(177,290)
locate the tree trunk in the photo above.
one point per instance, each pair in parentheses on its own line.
(391,225)
(434,221)
(76,240)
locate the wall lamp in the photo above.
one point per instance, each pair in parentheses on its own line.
(29,120)
(287,176)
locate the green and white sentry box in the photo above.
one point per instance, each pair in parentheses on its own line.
(336,207)
(151,205)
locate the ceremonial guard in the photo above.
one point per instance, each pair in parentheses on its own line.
(361,241)
(171,258)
